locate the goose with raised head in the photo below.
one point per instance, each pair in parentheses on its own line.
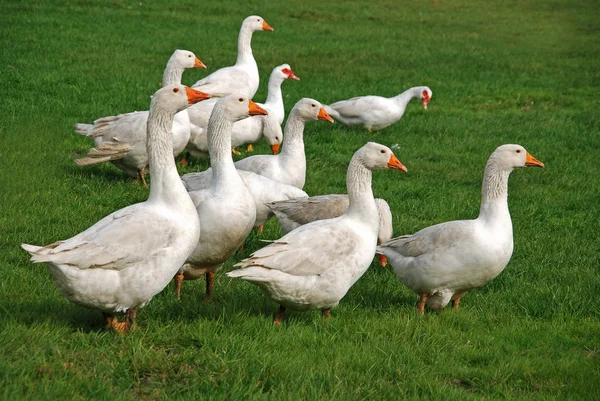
(122,139)
(120,263)
(225,208)
(242,77)
(443,262)
(376,112)
(249,130)
(289,166)
(314,266)
(294,213)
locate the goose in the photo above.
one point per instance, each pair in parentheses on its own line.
(289,166)
(376,112)
(314,266)
(225,208)
(294,213)
(445,261)
(121,139)
(120,263)
(249,130)
(242,77)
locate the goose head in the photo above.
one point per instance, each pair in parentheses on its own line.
(187,59)
(375,156)
(283,72)
(237,107)
(174,98)
(509,157)
(310,110)
(272,132)
(255,23)
(426,95)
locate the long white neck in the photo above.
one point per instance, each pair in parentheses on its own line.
(173,73)
(219,147)
(244,47)
(494,192)
(274,102)
(358,183)
(405,97)
(166,186)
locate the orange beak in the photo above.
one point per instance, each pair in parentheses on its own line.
(293,76)
(267,27)
(195,96)
(395,164)
(531,161)
(255,110)
(275,148)
(324,116)
(198,63)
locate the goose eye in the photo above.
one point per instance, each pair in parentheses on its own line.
(189,55)
(175,90)
(382,151)
(313,105)
(518,150)
(241,99)
(258,20)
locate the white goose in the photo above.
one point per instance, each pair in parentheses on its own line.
(443,262)
(122,139)
(128,257)
(375,112)
(294,213)
(242,77)
(314,266)
(226,208)
(248,130)
(288,167)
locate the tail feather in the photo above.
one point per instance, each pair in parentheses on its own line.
(106,151)
(84,129)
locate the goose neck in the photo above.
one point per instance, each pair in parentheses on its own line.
(405,97)
(494,192)
(219,143)
(293,138)
(274,100)
(172,74)
(245,47)
(360,194)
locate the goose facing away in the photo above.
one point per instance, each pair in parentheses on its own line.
(444,261)
(121,262)
(121,139)
(225,208)
(294,213)
(241,78)
(289,166)
(314,266)
(376,112)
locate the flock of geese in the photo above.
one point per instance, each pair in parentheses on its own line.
(189,226)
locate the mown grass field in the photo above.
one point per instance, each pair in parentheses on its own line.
(501,72)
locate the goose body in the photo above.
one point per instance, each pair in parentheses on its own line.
(242,77)
(376,112)
(122,261)
(225,207)
(288,167)
(444,261)
(121,139)
(314,266)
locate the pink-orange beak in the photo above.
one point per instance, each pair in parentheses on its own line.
(275,148)
(531,161)
(290,74)
(324,116)
(195,96)
(255,110)
(395,164)
(198,63)
(425,99)
(267,27)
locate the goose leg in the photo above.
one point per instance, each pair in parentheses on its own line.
(382,258)
(185,161)
(249,148)
(235,152)
(455,303)
(260,229)
(127,326)
(210,278)
(422,300)
(142,176)
(326,313)
(178,282)
(279,318)
(110,320)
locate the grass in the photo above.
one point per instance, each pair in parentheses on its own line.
(501,72)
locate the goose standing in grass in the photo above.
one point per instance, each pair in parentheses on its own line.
(294,213)
(444,261)
(225,208)
(289,166)
(248,130)
(376,112)
(122,139)
(242,77)
(128,257)
(314,266)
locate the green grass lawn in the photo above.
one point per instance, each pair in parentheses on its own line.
(501,72)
